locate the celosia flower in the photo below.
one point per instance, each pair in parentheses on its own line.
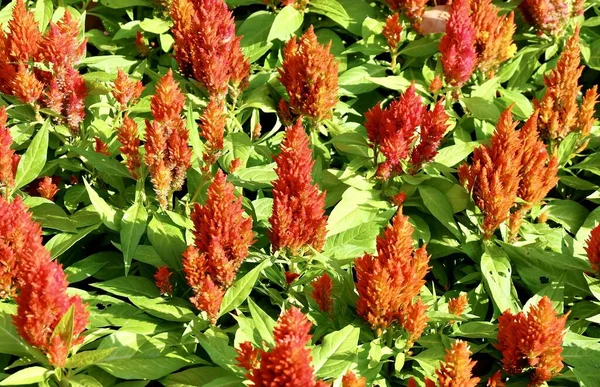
(206,47)
(168,155)
(457,305)
(290,277)
(288,362)
(546,16)
(436,84)
(127,90)
(212,125)
(130,144)
(101,147)
(592,249)
(414,321)
(351,380)
(222,238)
(532,341)
(7,155)
(414,10)
(494,174)
(47,189)
(432,131)
(496,380)
(392,32)
(458,45)
(298,218)
(309,73)
(585,119)
(284,113)
(387,283)
(456,369)
(26,86)
(321,293)
(493,39)
(66,94)
(140,44)
(162,279)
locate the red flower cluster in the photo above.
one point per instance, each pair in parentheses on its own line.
(9,160)
(168,155)
(546,16)
(222,238)
(288,362)
(457,305)
(39,283)
(321,293)
(393,131)
(351,380)
(162,279)
(496,380)
(298,218)
(456,370)
(388,283)
(459,56)
(592,249)
(212,125)
(130,145)
(413,9)
(101,147)
(46,188)
(559,112)
(392,32)
(127,90)
(532,341)
(206,47)
(309,74)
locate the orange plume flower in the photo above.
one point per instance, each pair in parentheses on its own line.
(46,188)
(457,305)
(392,32)
(101,147)
(459,56)
(413,9)
(351,380)
(212,124)
(592,249)
(532,340)
(321,293)
(456,369)
(127,90)
(414,321)
(162,279)
(298,218)
(130,145)
(25,85)
(8,159)
(496,380)
(546,16)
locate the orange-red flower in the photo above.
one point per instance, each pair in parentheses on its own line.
(457,305)
(456,370)
(392,31)
(298,218)
(127,90)
(100,146)
(592,249)
(436,84)
(496,380)
(298,4)
(140,44)
(8,159)
(222,238)
(309,73)
(288,362)
(350,379)
(206,47)
(46,188)
(546,16)
(321,293)
(212,125)
(414,321)
(162,279)
(458,45)
(532,340)
(130,145)
(26,86)
(388,283)
(414,10)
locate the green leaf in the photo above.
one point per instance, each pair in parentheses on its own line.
(117,4)
(133,227)
(254,178)
(263,322)
(88,358)
(425,46)
(43,13)
(64,328)
(109,215)
(199,376)
(33,160)
(454,154)
(497,272)
(216,344)
(241,288)
(62,242)
(332,9)
(85,268)
(50,215)
(169,309)
(437,203)
(567,147)
(28,375)
(10,341)
(482,109)
(129,286)
(167,239)
(287,21)
(476,330)
(336,353)
(102,163)
(155,26)
(568,213)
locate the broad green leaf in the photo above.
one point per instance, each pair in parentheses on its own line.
(437,203)
(60,243)
(169,309)
(116,4)
(43,13)
(263,322)
(110,216)
(568,213)
(199,376)
(85,268)
(216,344)
(88,358)
(33,160)
(28,375)
(241,288)
(155,26)
(102,162)
(133,227)
(333,10)
(482,109)
(424,46)
(52,216)
(335,354)
(497,272)
(254,178)
(129,286)
(10,341)
(476,330)
(287,21)
(454,154)
(167,239)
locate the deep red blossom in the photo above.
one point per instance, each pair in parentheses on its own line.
(130,145)
(212,129)
(496,380)
(140,44)
(350,379)
(433,127)
(46,188)
(162,279)
(457,305)
(206,46)
(388,283)
(532,340)
(456,370)
(7,155)
(392,32)
(592,249)
(100,146)
(222,238)
(546,16)
(290,277)
(413,9)
(127,90)
(458,45)
(321,293)
(309,73)
(298,218)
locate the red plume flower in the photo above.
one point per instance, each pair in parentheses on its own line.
(351,380)
(130,145)
(7,155)
(309,73)
(392,31)
(496,380)
(546,16)
(413,9)
(212,124)
(387,283)
(101,147)
(593,249)
(457,305)
(162,279)
(532,340)
(321,293)
(456,370)
(288,363)
(298,218)
(127,90)
(458,45)
(47,189)
(222,238)
(206,47)
(433,127)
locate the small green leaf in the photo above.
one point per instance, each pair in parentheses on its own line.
(109,215)
(241,288)
(287,21)
(497,272)
(335,354)
(28,375)
(33,160)
(167,239)
(133,227)
(437,203)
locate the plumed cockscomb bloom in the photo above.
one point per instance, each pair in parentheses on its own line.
(206,47)
(546,16)
(212,129)
(222,238)
(168,155)
(457,305)
(413,9)
(101,147)
(494,33)
(141,45)
(7,155)
(62,46)
(532,341)
(46,188)
(130,145)
(456,370)
(496,380)
(494,174)
(388,283)
(127,90)
(405,131)
(350,379)
(290,277)
(65,95)
(321,293)
(414,321)
(309,73)
(392,32)
(298,218)
(25,86)
(592,249)
(288,362)
(162,279)
(459,56)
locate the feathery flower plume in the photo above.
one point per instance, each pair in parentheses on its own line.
(288,362)
(168,155)
(321,293)
(457,305)
(414,321)
(298,218)
(387,283)
(8,159)
(25,86)
(351,380)
(46,188)
(290,277)
(413,9)
(456,370)
(458,44)
(392,32)
(212,125)
(496,380)
(494,174)
(162,279)
(433,127)
(546,16)
(436,84)
(493,39)
(309,73)
(101,147)
(222,238)
(592,249)
(130,145)
(140,44)
(206,47)
(127,90)
(532,341)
